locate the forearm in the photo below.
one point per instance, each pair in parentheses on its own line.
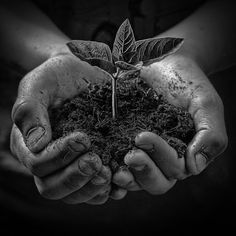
(28,37)
(209,35)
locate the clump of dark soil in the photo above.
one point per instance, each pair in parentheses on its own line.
(140,108)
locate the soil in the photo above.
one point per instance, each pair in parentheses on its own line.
(140,108)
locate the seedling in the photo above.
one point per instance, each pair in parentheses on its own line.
(127,57)
(141,108)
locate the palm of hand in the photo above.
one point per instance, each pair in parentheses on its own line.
(182,83)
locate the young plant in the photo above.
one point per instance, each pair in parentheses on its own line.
(127,57)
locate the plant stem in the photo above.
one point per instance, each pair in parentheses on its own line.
(114,98)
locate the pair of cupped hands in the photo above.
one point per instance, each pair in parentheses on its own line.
(66,170)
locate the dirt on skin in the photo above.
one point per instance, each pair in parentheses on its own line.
(140,108)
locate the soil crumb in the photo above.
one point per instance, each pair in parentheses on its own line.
(140,108)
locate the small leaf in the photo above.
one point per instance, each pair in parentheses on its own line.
(156,49)
(90,49)
(124,65)
(105,65)
(124,46)
(95,53)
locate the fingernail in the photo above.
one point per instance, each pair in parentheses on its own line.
(34,135)
(99,180)
(138,168)
(128,156)
(200,162)
(103,177)
(147,147)
(76,146)
(89,165)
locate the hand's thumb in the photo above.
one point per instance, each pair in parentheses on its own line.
(31,117)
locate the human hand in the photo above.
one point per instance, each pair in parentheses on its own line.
(62,169)
(154,166)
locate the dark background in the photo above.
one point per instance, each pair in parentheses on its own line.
(196,205)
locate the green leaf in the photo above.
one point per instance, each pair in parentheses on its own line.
(124,47)
(155,49)
(90,49)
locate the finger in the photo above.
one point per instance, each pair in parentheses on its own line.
(125,179)
(56,155)
(69,179)
(61,152)
(98,184)
(164,156)
(147,173)
(211,138)
(31,117)
(29,112)
(101,198)
(118,193)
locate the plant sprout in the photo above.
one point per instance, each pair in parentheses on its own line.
(127,57)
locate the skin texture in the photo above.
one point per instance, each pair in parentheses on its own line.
(154,165)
